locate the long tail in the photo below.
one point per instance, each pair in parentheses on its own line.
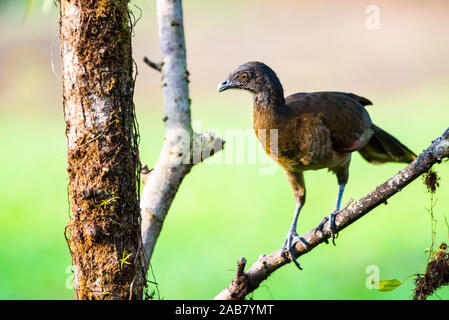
(383,147)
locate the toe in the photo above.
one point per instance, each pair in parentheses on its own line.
(321,225)
(333,227)
(289,244)
(300,239)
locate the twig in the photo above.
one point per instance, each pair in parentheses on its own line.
(266,265)
(155,65)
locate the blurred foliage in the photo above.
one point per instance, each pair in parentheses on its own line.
(28,7)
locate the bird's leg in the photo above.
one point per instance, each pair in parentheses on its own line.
(292,237)
(331,217)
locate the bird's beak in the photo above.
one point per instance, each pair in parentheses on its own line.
(226,84)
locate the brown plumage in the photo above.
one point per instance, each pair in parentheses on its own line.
(314,131)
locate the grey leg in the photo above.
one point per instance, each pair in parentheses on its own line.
(292,237)
(331,217)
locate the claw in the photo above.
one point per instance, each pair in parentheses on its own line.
(332,226)
(321,225)
(320,228)
(287,248)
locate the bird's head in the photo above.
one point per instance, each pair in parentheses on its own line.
(257,78)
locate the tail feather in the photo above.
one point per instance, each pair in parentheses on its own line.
(383,147)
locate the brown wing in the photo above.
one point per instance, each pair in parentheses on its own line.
(363,101)
(343,115)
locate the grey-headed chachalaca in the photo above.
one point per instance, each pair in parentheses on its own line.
(315,131)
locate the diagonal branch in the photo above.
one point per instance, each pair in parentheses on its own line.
(246,282)
(182,147)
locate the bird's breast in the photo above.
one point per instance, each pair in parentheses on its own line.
(300,145)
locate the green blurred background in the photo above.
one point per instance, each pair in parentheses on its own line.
(226,211)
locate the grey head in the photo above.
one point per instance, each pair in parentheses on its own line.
(257,78)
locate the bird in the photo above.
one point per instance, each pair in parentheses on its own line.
(315,130)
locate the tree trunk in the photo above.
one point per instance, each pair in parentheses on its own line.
(103,163)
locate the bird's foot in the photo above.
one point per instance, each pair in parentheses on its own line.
(290,241)
(332,223)
(332,226)
(320,227)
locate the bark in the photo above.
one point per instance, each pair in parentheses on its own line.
(102,150)
(182,147)
(246,282)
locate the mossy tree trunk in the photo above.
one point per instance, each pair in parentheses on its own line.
(103,163)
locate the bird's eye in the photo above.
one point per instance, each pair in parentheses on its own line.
(244,76)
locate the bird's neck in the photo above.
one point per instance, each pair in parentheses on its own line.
(271,98)
(268,108)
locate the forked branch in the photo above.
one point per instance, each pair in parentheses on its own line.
(182,147)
